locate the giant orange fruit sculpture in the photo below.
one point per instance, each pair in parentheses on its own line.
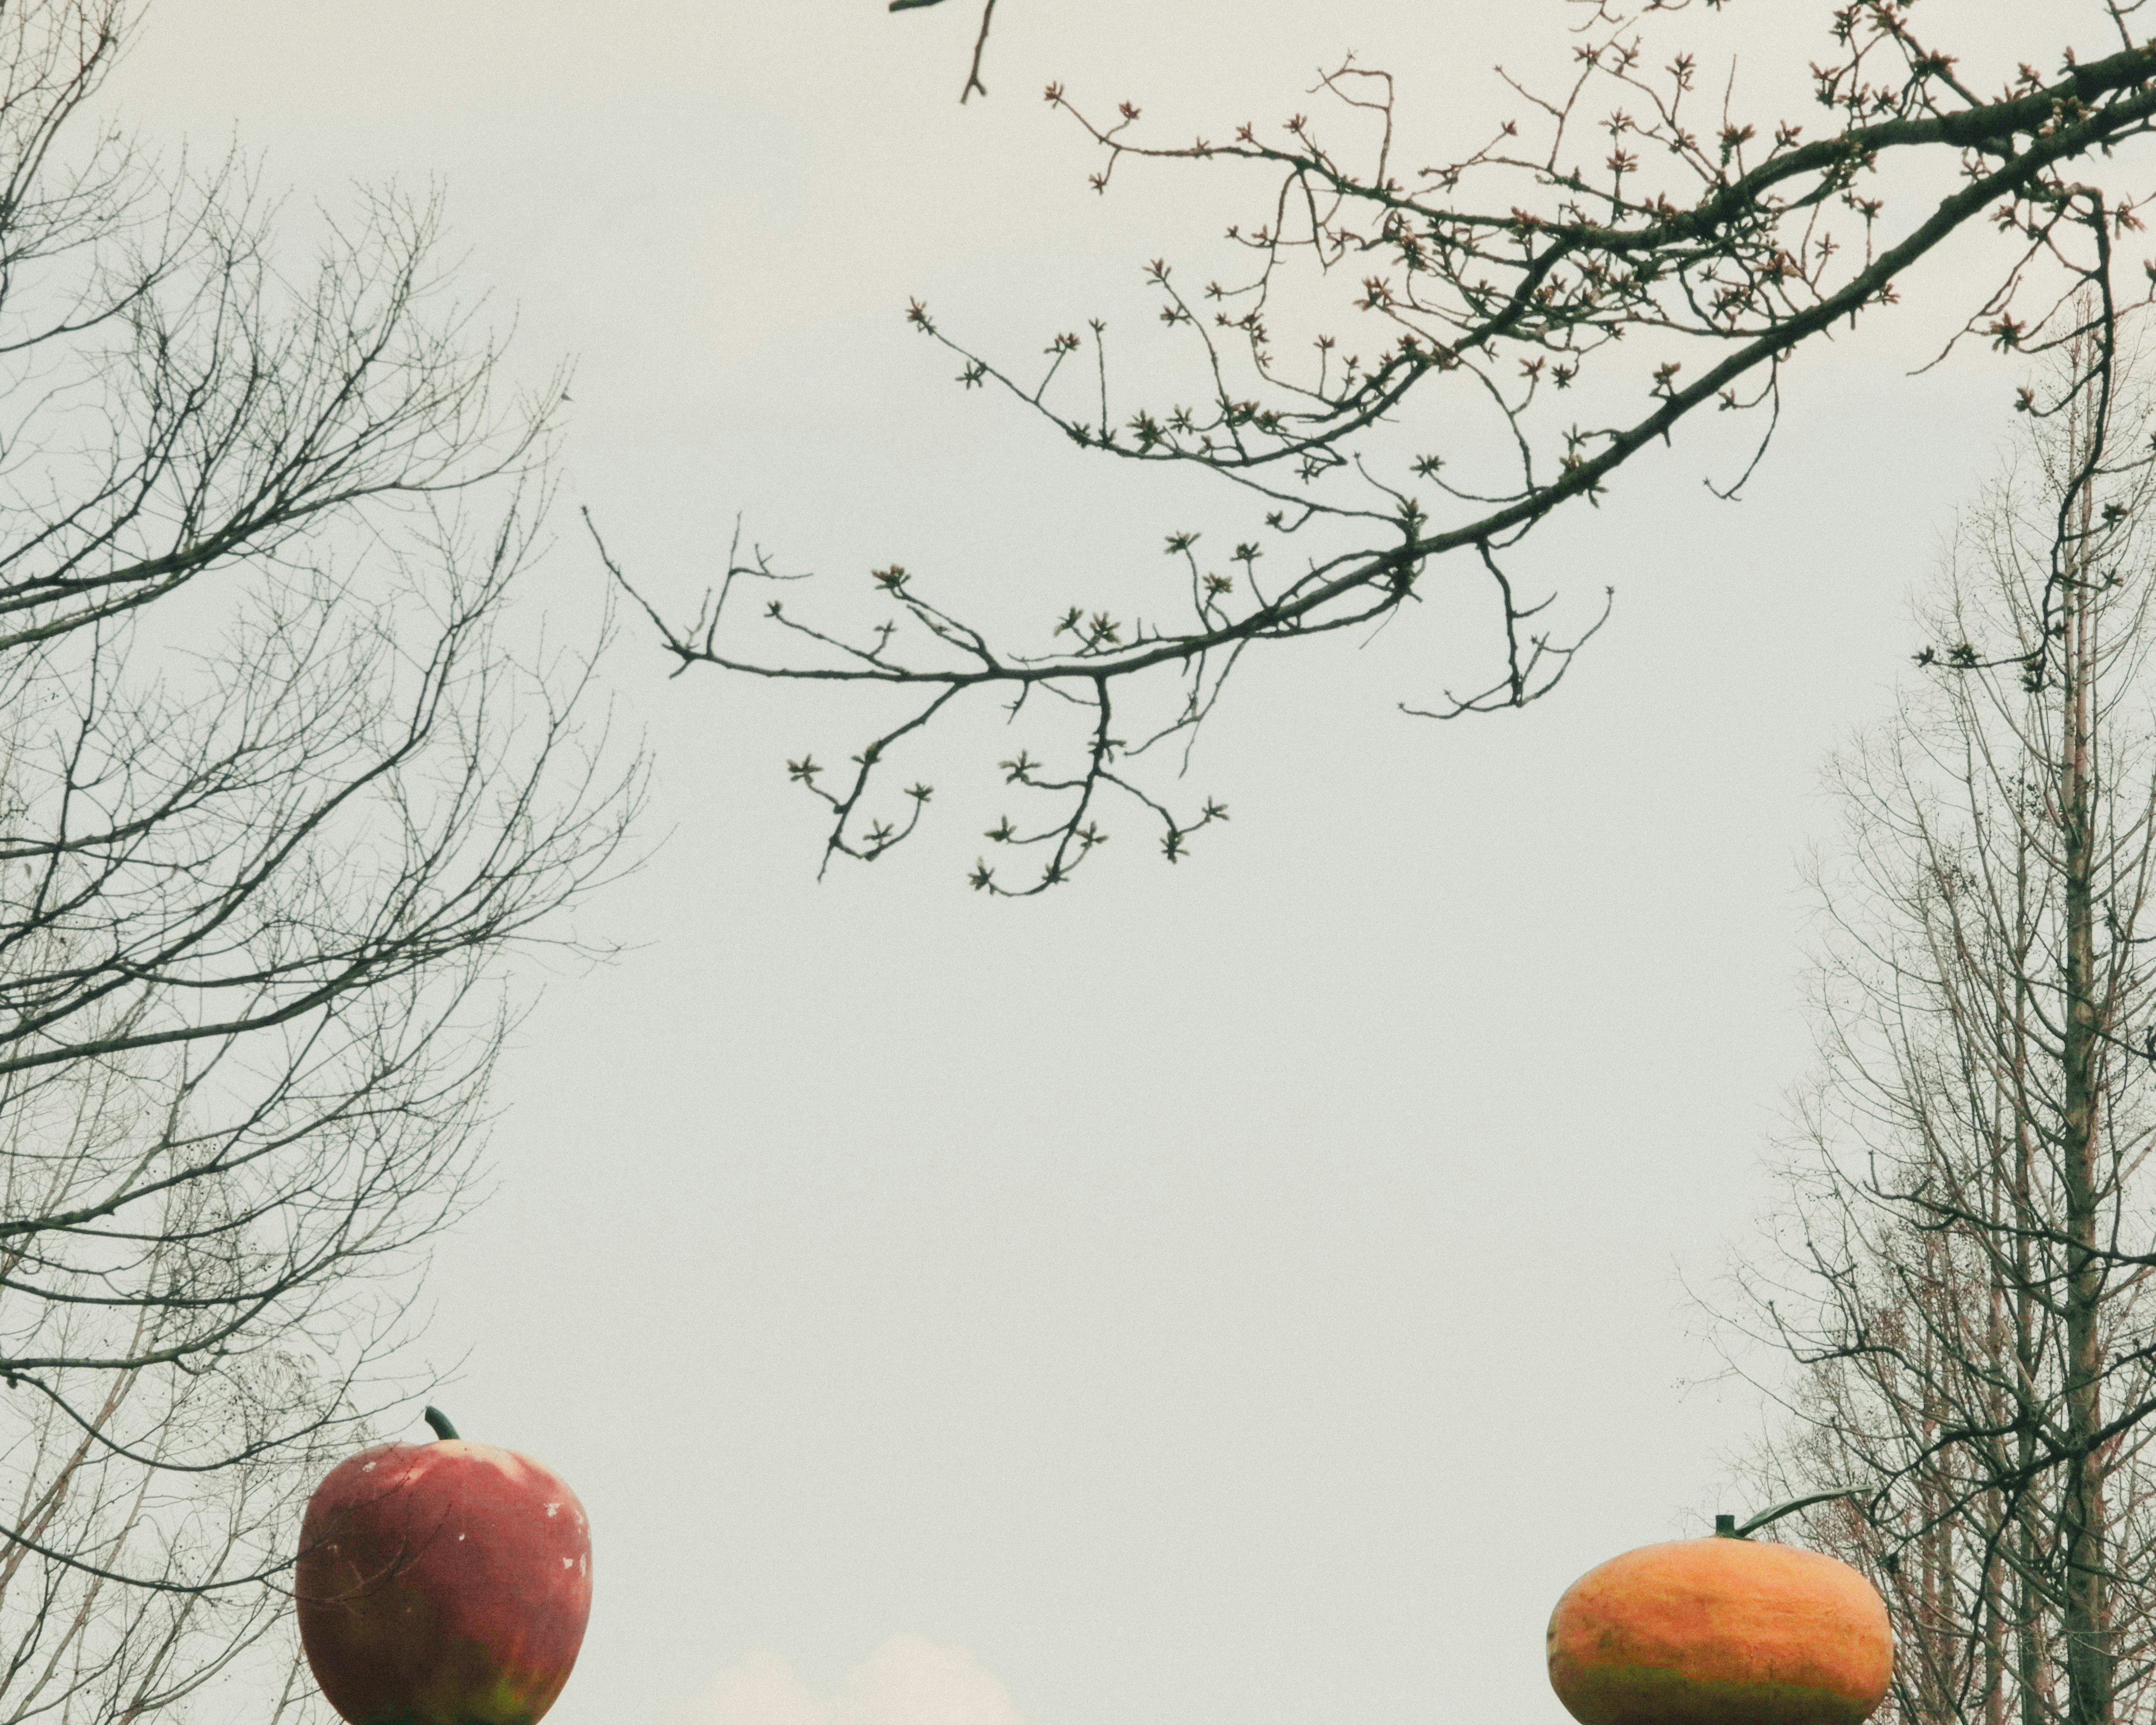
(1720,1631)
(443,1584)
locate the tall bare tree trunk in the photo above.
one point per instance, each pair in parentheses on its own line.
(2085,1618)
(2025,1600)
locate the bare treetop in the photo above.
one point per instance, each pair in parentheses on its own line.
(1532,312)
(265,851)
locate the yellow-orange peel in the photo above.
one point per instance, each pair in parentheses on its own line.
(1720,1631)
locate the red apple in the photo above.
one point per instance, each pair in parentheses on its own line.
(443,1584)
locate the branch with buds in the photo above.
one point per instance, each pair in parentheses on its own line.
(1510,300)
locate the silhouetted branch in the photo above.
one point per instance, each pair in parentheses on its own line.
(1681,275)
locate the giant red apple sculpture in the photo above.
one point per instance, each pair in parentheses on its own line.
(443,1584)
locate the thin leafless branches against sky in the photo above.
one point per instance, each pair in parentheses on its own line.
(1419,364)
(279,794)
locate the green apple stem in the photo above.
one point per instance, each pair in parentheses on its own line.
(1725,1526)
(440,1421)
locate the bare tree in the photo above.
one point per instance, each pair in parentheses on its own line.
(1961,1283)
(1533,313)
(281,788)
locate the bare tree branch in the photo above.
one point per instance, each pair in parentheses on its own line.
(1540,321)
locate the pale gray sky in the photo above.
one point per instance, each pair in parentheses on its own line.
(1243,1293)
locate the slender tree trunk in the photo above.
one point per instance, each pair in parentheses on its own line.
(2085,1618)
(2032,1669)
(1996,1507)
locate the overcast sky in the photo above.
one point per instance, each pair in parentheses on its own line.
(1247,1292)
